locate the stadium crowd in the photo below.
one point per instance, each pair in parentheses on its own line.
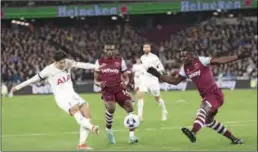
(26,50)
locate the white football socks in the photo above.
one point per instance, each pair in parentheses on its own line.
(83,135)
(131,134)
(140,107)
(82,120)
(162,104)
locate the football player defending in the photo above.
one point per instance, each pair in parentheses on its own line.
(113,80)
(197,69)
(151,83)
(58,75)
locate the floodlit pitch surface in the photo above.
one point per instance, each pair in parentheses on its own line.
(36,123)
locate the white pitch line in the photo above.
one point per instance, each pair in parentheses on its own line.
(230,123)
(180,101)
(237,122)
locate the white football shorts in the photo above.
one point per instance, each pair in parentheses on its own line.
(149,85)
(68,102)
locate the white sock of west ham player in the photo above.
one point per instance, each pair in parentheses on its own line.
(82,120)
(83,135)
(140,107)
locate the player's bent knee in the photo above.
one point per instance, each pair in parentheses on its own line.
(206,106)
(84,109)
(111,106)
(128,106)
(209,119)
(140,95)
(74,109)
(157,98)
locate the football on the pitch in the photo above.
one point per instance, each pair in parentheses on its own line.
(131,121)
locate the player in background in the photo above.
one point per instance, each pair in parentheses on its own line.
(138,72)
(58,75)
(197,69)
(220,79)
(113,80)
(152,83)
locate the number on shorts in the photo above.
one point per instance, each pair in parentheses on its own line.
(125,92)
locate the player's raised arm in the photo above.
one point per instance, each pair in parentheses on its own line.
(82,65)
(228,59)
(165,78)
(40,76)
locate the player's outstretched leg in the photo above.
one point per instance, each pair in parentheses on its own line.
(164,111)
(110,110)
(84,133)
(219,128)
(198,123)
(83,117)
(140,104)
(127,105)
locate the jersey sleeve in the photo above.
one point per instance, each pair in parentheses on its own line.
(82,65)
(40,76)
(205,60)
(97,65)
(159,65)
(123,66)
(44,73)
(182,72)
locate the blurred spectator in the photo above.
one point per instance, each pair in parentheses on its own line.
(25,52)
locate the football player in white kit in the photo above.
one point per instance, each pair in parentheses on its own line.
(139,85)
(58,75)
(150,83)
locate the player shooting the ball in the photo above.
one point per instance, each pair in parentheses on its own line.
(197,69)
(58,75)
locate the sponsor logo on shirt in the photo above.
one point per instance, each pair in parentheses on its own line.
(110,71)
(197,73)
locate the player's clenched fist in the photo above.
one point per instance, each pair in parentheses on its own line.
(154,72)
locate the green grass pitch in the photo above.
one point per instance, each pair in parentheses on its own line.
(36,123)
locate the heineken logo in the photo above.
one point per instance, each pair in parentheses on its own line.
(206,5)
(94,10)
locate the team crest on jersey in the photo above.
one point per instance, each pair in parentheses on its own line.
(117,64)
(196,65)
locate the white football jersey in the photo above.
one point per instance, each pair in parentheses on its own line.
(59,80)
(138,71)
(151,60)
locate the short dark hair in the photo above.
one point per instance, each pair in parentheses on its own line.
(188,49)
(110,45)
(59,55)
(147,43)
